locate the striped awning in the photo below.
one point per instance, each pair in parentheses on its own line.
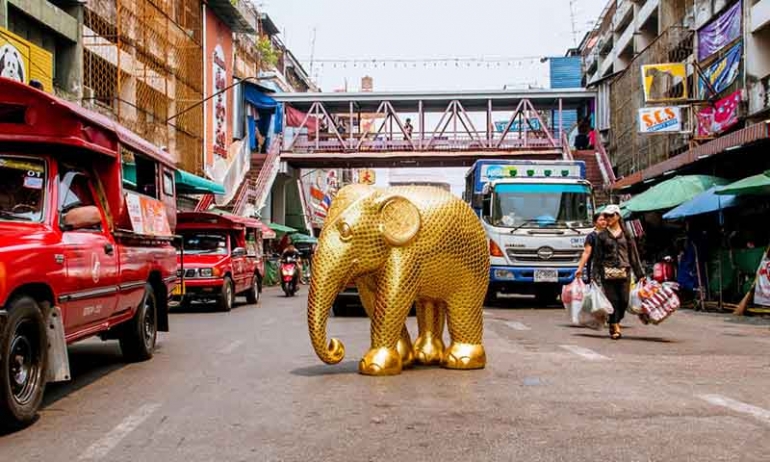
(735,139)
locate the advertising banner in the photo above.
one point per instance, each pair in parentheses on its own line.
(23,61)
(715,120)
(148,215)
(718,33)
(218,59)
(664,82)
(660,119)
(321,186)
(722,73)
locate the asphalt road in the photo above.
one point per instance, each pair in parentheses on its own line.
(246,386)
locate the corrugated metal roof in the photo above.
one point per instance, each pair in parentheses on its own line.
(566,72)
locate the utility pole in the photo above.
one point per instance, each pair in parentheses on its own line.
(312,51)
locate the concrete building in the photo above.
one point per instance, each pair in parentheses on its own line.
(54,27)
(724,42)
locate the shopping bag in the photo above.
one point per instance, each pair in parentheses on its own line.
(659,301)
(635,300)
(572,296)
(596,308)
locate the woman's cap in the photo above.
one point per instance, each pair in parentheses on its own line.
(611,210)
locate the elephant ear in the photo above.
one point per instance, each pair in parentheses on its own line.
(399,220)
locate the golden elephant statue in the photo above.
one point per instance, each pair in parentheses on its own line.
(402,245)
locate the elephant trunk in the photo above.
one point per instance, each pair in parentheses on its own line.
(323,291)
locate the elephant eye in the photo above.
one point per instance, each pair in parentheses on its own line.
(346,232)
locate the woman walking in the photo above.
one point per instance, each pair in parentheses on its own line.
(588,247)
(614,257)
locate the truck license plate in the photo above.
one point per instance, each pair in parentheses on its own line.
(546,275)
(178,290)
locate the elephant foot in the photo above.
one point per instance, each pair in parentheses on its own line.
(404,348)
(381,361)
(464,356)
(429,349)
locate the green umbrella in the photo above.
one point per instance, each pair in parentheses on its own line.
(279,228)
(671,193)
(299,238)
(753,185)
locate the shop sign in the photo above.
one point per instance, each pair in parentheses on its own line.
(367,176)
(664,82)
(715,120)
(721,31)
(23,61)
(665,119)
(148,216)
(722,73)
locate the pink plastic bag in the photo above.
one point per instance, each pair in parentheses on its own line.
(572,296)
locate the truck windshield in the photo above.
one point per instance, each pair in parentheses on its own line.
(22,188)
(210,244)
(541,205)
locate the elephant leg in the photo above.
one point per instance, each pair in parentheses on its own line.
(465,319)
(429,346)
(395,294)
(368,294)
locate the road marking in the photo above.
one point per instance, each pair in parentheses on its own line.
(584,352)
(231,347)
(737,406)
(517,325)
(102,447)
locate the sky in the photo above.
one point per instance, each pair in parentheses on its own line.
(514,33)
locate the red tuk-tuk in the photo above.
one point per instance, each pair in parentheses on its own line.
(83,252)
(220,256)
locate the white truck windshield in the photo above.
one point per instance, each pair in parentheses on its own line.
(541,205)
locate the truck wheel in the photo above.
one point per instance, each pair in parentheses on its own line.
(227,298)
(137,341)
(23,363)
(252,295)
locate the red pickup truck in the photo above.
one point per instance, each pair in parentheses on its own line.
(220,256)
(84,250)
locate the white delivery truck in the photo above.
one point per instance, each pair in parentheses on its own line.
(537,215)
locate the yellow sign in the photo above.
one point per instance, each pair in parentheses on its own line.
(664,82)
(23,61)
(367,176)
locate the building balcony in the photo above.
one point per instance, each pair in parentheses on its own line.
(760,16)
(236,14)
(646,11)
(625,40)
(624,14)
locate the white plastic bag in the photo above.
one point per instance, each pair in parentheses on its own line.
(596,308)
(635,300)
(572,296)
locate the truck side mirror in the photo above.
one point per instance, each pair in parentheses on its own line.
(83,217)
(239,252)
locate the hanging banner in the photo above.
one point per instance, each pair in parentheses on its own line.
(762,289)
(218,59)
(23,61)
(717,34)
(660,119)
(664,82)
(722,73)
(715,120)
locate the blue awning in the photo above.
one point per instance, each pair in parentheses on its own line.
(257,98)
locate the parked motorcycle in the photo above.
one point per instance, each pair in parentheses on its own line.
(289,275)
(664,271)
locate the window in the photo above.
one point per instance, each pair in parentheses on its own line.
(139,173)
(168,183)
(74,190)
(22,188)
